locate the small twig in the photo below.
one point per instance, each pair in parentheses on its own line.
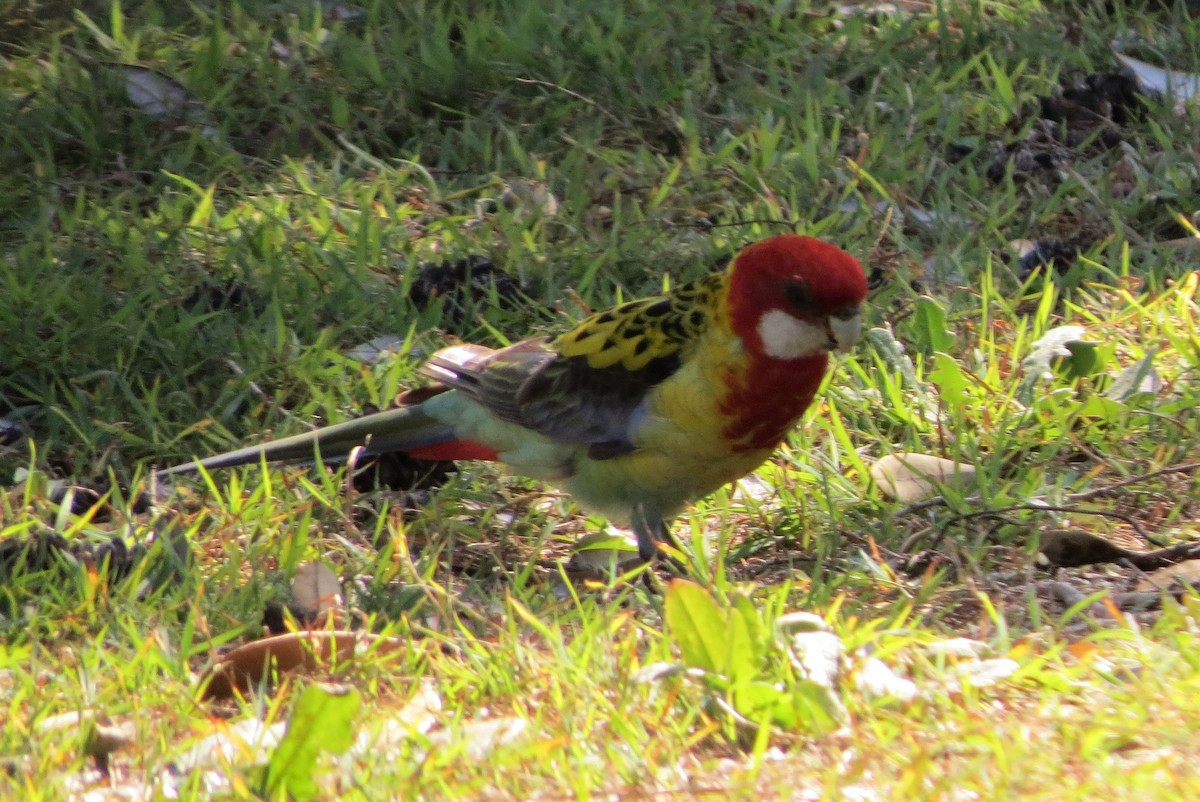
(574,94)
(909,544)
(258,392)
(754,221)
(998,515)
(1036,503)
(929,503)
(1137,527)
(255,390)
(1145,577)
(1136,601)
(1190,467)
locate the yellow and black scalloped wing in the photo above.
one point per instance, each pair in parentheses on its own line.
(589,385)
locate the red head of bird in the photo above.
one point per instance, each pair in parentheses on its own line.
(791,300)
(794,297)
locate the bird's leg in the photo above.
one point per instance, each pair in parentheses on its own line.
(652,532)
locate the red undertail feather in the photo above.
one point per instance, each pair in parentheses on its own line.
(455,450)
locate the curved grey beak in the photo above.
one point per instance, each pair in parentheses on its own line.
(844,329)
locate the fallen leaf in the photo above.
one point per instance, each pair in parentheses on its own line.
(799,621)
(316,589)
(385,743)
(1182,87)
(526,196)
(984,673)
(340,12)
(100,736)
(1140,377)
(956,647)
(244,667)
(754,487)
(907,476)
(481,738)
(419,714)
(818,656)
(877,681)
(1184,573)
(906,214)
(10,433)
(245,742)
(656,672)
(152,92)
(384,347)
(1082,649)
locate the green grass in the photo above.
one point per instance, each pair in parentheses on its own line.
(319,161)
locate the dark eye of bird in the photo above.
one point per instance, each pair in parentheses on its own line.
(798,295)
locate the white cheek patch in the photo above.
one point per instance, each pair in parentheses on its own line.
(787,337)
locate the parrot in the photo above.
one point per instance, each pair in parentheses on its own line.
(636,411)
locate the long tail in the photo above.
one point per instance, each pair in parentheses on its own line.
(407,429)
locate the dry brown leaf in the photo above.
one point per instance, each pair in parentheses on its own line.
(242,668)
(1184,573)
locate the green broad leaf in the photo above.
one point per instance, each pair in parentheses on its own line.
(1083,360)
(741,662)
(803,707)
(758,629)
(817,708)
(698,625)
(1102,408)
(763,702)
(323,721)
(950,380)
(928,326)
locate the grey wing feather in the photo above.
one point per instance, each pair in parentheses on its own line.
(562,397)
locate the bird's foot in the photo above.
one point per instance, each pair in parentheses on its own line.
(657,545)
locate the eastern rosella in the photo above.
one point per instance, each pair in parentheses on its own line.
(640,409)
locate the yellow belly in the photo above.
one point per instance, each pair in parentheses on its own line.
(665,483)
(681,455)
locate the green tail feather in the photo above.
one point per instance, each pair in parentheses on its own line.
(391,430)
